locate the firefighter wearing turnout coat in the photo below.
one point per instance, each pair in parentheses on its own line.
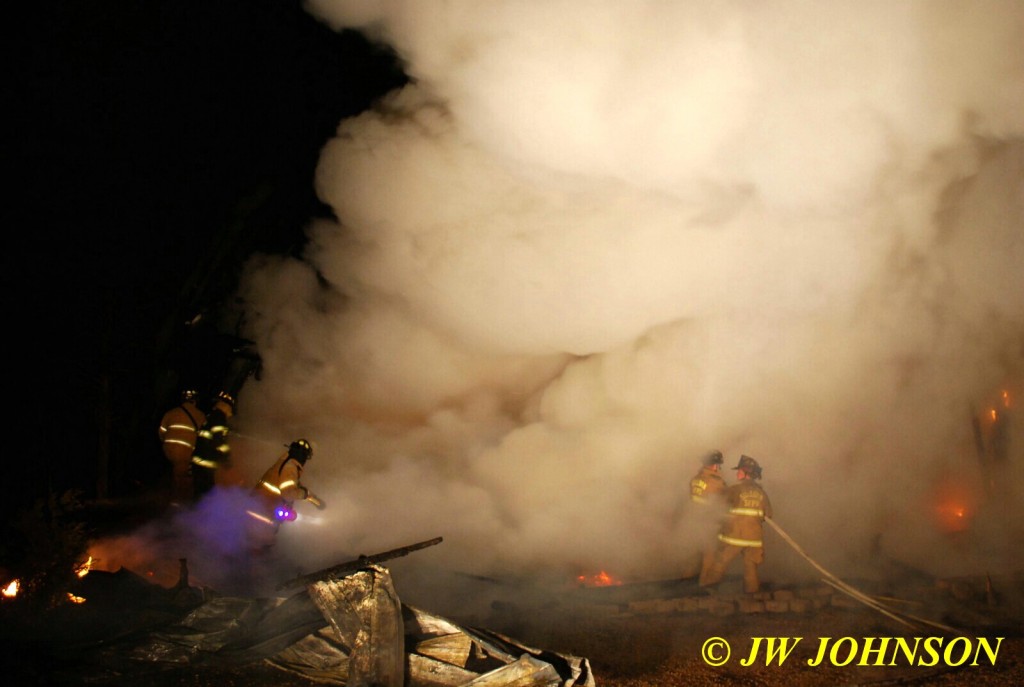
(277,491)
(708,485)
(213,450)
(742,531)
(178,430)
(707,489)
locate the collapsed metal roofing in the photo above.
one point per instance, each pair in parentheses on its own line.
(352,631)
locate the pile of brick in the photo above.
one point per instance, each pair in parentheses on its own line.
(802,600)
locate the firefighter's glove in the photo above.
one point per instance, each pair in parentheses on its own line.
(312,498)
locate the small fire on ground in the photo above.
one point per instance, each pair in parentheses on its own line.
(601,579)
(954,504)
(14,586)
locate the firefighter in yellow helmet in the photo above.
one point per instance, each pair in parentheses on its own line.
(707,489)
(742,531)
(278,489)
(708,482)
(179,428)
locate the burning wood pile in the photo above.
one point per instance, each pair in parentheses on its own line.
(347,627)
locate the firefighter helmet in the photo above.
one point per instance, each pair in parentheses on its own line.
(712,458)
(301,450)
(750,466)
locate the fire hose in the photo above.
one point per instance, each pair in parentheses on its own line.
(830,579)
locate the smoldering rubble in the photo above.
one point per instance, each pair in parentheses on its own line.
(350,629)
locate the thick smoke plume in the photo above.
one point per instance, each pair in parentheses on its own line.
(592,240)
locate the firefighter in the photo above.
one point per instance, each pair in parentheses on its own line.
(212,448)
(742,531)
(179,428)
(707,489)
(708,482)
(277,491)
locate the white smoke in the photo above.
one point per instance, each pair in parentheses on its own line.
(592,240)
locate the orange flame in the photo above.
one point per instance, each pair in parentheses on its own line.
(601,579)
(84,568)
(12,589)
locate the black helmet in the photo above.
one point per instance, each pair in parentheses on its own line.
(712,458)
(189,395)
(300,450)
(750,466)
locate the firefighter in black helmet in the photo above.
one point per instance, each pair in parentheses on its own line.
(708,481)
(277,491)
(742,531)
(707,489)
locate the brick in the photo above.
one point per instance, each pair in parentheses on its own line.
(783,595)
(751,606)
(689,605)
(706,602)
(773,606)
(843,601)
(663,606)
(643,606)
(800,605)
(723,608)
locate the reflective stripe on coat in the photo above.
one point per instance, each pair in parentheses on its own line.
(748,507)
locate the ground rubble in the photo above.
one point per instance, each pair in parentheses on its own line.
(968,600)
(354,630)
(654,633)
(351,631)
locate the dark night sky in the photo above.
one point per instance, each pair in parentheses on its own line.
(154,145)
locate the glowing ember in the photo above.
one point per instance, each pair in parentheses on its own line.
(76,599)
(601,579)
(953,506)
(11,590)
